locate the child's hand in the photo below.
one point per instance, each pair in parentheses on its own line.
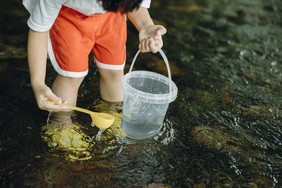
(150,38)
(42,93)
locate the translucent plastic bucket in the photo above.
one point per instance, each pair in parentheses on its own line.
(146,99)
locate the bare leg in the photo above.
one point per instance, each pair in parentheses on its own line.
(110,85)
(67,88)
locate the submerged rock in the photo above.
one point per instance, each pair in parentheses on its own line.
(205,96)
(70,140)
(260,111)
(226,97)
(215,138)
(265,89)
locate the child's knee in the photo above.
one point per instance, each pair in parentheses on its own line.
(68,82)
(113,75)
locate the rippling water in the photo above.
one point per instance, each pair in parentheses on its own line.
(223,130)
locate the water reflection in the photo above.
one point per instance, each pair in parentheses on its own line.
(224,129)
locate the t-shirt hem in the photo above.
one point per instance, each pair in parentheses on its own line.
(37,27)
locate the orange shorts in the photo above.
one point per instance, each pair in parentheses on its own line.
(73,36)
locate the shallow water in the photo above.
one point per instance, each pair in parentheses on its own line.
(223,130)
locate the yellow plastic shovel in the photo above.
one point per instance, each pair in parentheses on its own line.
(101,120)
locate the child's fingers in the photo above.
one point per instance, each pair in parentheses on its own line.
(153,46)
(51,96)
(160,30)
(54,107)
(144,45)
(150,45)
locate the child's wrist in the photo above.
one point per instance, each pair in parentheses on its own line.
(36,83)
(144,26)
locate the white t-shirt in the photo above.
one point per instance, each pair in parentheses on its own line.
(44,12)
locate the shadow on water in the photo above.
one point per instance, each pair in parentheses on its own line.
(223,130)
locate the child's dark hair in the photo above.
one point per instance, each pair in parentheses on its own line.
(123,5)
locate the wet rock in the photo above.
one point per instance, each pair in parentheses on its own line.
(200,185)
(159,66)
(260,111)
(221,179)
(262,182)
(265,89)
(215,138)
(226,97)
(205,97)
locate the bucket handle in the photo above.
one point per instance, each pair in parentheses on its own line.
(166,63)
(163,56)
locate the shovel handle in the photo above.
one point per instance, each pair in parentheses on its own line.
(71,107)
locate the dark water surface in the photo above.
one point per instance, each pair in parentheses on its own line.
(223,130)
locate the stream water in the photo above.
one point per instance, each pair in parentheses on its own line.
(223,130)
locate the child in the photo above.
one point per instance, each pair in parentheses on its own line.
(69,30)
